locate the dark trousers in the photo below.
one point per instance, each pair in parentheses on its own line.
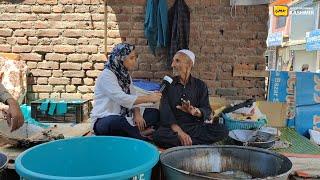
(200,134)
(115,125)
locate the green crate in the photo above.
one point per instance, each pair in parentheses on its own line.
(78,110)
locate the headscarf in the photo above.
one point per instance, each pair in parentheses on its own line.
(115,64)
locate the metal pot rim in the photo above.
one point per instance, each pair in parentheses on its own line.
(164,153)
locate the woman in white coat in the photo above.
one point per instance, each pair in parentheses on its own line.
(114,98)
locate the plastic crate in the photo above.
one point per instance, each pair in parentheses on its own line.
(240,124)
(77,110)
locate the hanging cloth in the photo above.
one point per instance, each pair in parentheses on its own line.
(156,24)
(179,28)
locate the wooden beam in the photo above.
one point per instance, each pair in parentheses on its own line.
(250,73)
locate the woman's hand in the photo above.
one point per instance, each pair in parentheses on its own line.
(155,97)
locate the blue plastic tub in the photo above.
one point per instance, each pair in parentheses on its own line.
(87,158)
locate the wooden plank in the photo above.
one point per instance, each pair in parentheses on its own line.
(250,73)
(11,56)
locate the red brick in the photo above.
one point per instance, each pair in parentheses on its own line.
(98,58)
(48,65)
(95,33)
(51,2)
(55,95)
(25,17)
(87,65)
(41,25)
(99,66)
(76,17)
(24,32)
(97,17)
(57,9)
(55,57)
(31,65)
(76,81)
(86,89)
(69,9)
(41,9)
(12,24)
(48,33)
(42,88)
(57,73)
(29,2)
(70,88)
(49,17)
(88,96)
(22,40)
(42,80)
(82,9)
(73,33)
(64,49)
(59,81)
(87,49)
(88,2)
(71,1)
(77,57)
(30,57)
(5,48)
(6,32)
(70,66)
(73,73)
(71,95)
(21,49)
(88,81)
(33,40)
(93,73)
(41,49)
(59,89)
(40,72)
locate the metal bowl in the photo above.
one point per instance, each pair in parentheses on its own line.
(210,162)
(253,138)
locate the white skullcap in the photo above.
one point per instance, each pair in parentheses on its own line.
(189,53)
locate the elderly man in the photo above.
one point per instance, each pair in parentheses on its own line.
(14,116)
(185,107)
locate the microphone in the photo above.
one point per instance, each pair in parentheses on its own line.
(165,82)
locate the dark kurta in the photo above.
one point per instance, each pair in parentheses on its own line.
(196,92)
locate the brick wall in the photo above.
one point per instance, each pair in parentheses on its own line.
(219,41)
(62,42)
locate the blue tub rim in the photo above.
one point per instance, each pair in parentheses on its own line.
(22,171)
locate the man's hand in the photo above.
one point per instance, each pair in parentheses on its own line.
(184,138)
(14,116)
(188,108)
(140,122)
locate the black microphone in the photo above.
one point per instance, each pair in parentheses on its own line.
(165,82)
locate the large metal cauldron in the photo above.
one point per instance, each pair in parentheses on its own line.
(215,162)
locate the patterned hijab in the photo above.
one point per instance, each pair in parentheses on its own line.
(115,64)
